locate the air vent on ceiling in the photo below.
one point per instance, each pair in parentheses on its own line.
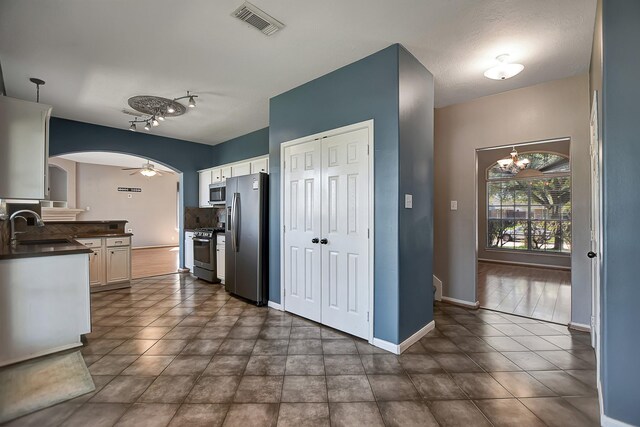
(257,18)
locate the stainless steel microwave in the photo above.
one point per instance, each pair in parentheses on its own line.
(217,193)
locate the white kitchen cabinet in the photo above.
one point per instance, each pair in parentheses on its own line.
(205,180)
(216,176)
(96,267)
(220,241)
(260,165)
(188,250)
(110,262)
(118,265)
(241,169)
(225,172)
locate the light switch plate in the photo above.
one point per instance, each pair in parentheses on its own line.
(129,196)
(129,230)
(454,205)
(408,201)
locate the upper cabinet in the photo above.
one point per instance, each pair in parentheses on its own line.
(205,180)
(24,149)
(221,173)
(260,165)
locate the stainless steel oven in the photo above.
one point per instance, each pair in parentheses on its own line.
(217,193)
(204,255)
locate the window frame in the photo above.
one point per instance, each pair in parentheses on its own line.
(529,217)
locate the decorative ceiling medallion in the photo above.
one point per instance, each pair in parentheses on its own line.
(149,104)
(156,109)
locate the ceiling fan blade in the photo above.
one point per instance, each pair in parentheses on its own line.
(130,169)
(158,172)
(133,173)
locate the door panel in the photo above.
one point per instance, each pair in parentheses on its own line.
(302,223)
(345,218)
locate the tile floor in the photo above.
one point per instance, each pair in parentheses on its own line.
(539,293)
(175,351)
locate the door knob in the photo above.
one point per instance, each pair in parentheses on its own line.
(315,240)
(591,254)
(324,241)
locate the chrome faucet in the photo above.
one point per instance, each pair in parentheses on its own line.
(17,215)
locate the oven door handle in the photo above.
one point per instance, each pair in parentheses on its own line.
(201,240)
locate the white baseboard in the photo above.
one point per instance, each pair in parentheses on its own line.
(461,302)
(579,327)
(155,247)
(612,422)
(438,284)
(399,348)
(275,306)
(525,264)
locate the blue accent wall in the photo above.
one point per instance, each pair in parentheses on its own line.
(364,90)
(253,144)
(415,225)
(620,343)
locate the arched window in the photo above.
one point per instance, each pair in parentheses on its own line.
(529,207)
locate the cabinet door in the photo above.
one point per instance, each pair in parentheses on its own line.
(260,165)
(96,267)
(118,265)
(220,261)
(225,173)
(205,180)
(241,169)
(188,250)
(216,176)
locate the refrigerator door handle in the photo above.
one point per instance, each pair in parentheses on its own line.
(234,222)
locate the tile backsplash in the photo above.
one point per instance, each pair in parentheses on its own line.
(202,217)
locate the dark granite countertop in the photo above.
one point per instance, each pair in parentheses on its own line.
(97,221)
(39,248)
(99,235)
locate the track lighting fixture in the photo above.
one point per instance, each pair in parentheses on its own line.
(156,109)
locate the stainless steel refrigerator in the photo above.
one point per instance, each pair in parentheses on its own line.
(246,237)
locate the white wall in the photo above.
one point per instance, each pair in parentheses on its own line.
(549,110)
(151,213)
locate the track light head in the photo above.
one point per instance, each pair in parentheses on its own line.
(192,102)
(132,128)
(147,126)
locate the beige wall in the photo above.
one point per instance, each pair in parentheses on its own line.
(546,111)
(486,159)
(151,213)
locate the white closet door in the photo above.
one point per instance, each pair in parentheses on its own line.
(302,224)
(345,223)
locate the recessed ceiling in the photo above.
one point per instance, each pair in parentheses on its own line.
(94,55)
(112,159)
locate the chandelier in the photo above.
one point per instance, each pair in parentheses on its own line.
(513,164)
(156,109)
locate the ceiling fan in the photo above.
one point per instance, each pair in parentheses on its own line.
(147,169)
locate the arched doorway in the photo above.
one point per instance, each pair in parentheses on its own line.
(107,185)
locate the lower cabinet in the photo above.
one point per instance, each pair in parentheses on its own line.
(109,263)
(118,265)
(220,240)
(96,267)
(188,250)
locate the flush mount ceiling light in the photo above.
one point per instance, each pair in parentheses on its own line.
(513,164)
(504,70)
(156,109)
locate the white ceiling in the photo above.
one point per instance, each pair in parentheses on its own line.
(111,159)
(94,55)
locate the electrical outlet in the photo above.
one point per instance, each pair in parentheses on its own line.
(454,205)
(129,230)
(408,201)
(129,196)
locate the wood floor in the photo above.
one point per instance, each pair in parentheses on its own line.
(539,293)
(154,261)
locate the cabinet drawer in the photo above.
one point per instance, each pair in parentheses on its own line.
(118,241)
(220,239)
(91,243)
